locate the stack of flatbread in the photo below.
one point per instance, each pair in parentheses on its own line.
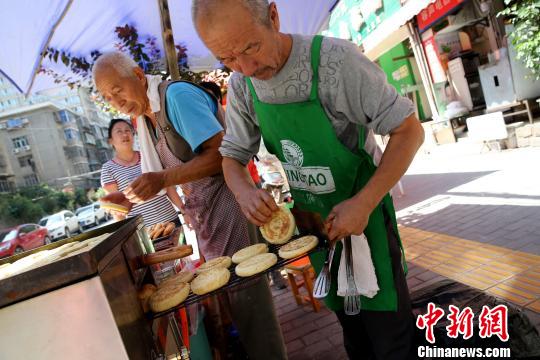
(160,230)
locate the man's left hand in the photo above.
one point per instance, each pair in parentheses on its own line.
(145,187)
(349,217)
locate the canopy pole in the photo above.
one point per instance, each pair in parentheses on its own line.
(423,67)
(168,39)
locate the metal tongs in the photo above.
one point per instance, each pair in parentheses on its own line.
(352,302)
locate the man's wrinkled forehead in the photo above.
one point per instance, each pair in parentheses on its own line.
(108,77)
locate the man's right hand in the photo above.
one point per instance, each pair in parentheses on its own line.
(257,205)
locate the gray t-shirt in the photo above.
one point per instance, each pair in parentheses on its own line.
(352,90)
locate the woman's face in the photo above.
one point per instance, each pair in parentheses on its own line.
(122,136)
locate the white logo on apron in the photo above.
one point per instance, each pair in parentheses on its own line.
(315,179)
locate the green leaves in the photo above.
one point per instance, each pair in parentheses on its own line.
(525,16)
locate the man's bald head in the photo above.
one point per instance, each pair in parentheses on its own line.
(121,82)
(208,9)
(243,35)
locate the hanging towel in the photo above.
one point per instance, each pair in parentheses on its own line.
(363,269)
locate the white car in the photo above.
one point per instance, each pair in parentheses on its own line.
(90,215)
(61,224)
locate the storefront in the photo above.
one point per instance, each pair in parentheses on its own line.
(472,66)
(381,29)
(448,56)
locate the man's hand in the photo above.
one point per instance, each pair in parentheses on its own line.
(349,217)
(257,205)
(117,197)
(145,187)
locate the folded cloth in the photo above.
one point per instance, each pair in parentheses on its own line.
(363,269)
(150,161)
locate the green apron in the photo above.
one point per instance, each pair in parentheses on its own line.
(322,172)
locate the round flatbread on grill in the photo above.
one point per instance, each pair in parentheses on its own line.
(210,280)
(168,297)
(144,295)
(280,228)
(183,276)
(298,247)
(249,252)
(256,264)
(222,261)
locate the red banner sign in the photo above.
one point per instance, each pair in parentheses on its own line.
(435,11)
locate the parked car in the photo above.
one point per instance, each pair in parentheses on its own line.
(21,238)
(90,215)
(61,224)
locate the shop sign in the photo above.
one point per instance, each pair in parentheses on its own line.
(400,73)
(435,11)
(361,17)
(432,55)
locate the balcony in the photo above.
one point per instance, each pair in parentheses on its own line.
(21,149)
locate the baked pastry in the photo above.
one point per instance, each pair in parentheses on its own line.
(169,227)
(183,276)
(114,207)
(298,247)
(210,280)
(280,228)
(222,261)
(249,252)
(144,295)
(256,264)
(168,296)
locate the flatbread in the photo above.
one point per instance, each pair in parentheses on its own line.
(210,280)
(168,297)
(249,252)
(183,276)
(256,264)
(114,207)
(222,261)
(298,247)
(144,295)
(280,228)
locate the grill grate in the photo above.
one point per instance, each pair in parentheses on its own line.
(236,280)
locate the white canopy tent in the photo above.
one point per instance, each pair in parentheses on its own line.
(27,27)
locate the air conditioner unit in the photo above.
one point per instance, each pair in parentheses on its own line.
(25,121)
(3,125)
(26,147)
(16,150)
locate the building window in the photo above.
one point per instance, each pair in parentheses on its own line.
(6,186)
(30,180)
(16,123)
(90,139)
(71,134)
(26,161)
(64,117)
(20,142)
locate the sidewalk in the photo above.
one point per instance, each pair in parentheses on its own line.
(466,215)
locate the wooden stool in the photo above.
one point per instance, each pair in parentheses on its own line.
(302,267)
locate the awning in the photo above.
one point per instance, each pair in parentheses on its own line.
(82,26)
(392,31)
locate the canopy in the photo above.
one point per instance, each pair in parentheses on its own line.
(27,27)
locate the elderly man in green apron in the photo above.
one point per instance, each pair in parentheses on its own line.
(316,103)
